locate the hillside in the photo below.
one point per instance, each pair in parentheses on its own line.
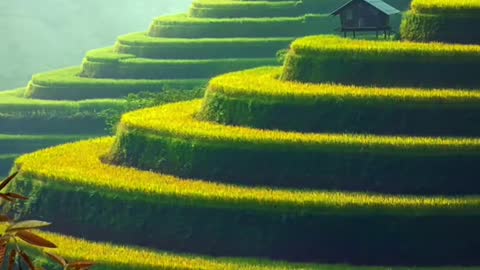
(178,52)
(39,36)
(317,164)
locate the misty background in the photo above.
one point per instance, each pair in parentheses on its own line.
(38,36)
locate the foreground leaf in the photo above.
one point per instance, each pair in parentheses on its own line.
(16,196)
(27,225)
(57,259)
(80,265)
(3,252)
(6,198)
(34,239)
(11,259)
(27,260)
(7,180)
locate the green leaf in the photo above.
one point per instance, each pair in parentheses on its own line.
(27,225)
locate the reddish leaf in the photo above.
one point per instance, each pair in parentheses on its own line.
(80,265)
(34,239)
(6,198)
(57,259)
(16,196)
(11,259)
(4,218)
(7,180)
(3,252)
(27,225)
(27,260)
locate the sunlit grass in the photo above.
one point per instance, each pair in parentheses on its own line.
(263,83)
(179,120)
(110,256)
(79,164)
(331,44)
(438,6)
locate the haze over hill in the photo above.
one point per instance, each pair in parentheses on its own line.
(38,36)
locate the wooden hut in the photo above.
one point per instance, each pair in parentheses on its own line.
(365,15)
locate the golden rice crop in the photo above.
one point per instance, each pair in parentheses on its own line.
(108,256)
(105,254)
(79,164)
(263,83)
(344,46)
(179,120)
(432,6)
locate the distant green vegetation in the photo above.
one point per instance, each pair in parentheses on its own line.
(266,8)
(31,116)
(182,26)
(104,63)
(143,45)
(43,35)
(234,9)
(87,99)
(67,85)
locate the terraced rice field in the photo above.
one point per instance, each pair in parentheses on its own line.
(178,52)
(277,167)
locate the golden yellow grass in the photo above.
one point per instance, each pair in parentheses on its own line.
(79,164)
(179,120)
(445,5)
(263,83)
(333,44)
(111,256)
